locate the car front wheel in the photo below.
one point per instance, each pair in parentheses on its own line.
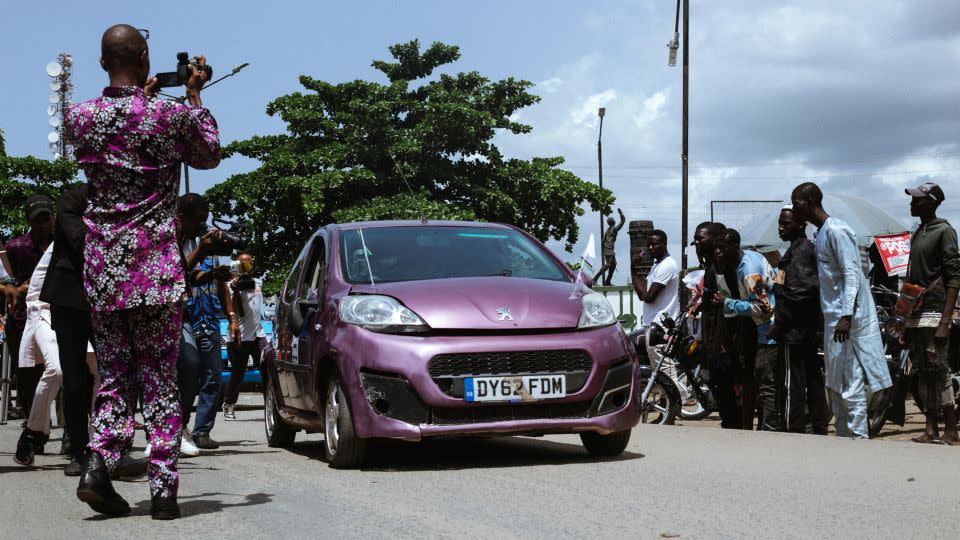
(279,434)
(611,445)
(344,448)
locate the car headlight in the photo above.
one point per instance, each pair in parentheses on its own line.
(380,313)
(596,311)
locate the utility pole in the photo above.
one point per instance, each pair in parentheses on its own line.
(600,113)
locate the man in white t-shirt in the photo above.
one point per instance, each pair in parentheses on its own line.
(248,298)
(659,291)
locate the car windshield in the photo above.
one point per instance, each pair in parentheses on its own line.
(422,253)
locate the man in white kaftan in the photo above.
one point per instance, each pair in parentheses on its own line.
(852,346)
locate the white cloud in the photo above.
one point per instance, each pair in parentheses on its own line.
(652,109)
(550,85)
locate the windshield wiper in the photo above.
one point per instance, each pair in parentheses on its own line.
(506,273)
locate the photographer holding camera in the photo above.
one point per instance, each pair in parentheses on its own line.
(199,365)
(130,146)
(248,298)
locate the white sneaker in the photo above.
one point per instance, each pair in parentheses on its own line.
(228,412)
(187,448)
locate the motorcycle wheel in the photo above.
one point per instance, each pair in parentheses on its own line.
(662,404)
(690,406)
(878,404)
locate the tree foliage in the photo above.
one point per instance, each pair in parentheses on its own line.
(22,177)
(416,146)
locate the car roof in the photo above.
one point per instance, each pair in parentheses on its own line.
(416,223)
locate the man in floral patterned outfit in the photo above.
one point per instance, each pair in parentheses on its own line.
(130,145)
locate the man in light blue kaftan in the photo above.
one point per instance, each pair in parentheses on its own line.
(853,350)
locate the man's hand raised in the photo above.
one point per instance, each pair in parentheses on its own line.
(198,77)
(151,89)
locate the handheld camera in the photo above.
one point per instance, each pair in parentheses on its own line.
(180,77)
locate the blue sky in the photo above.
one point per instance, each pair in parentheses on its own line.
(781,92)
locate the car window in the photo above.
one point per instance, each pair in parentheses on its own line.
(421,253)
(315,270)
(290,286)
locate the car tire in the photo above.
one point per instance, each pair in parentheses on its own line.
(279,433)
(611,445)
(344,448)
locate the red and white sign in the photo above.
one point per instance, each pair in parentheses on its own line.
(895,251)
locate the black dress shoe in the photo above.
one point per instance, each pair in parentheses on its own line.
(164,507)
(26,447)
(129,468)
(204,442)
(96,489)
(40,441)
(74,468)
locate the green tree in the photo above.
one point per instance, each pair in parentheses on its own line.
(414,146)
(21,177)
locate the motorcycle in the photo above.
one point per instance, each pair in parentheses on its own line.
(659,398)
(889,404)
(678,388)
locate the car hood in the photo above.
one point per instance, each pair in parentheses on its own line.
(480,303)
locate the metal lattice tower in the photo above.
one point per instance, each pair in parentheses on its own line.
(60,100)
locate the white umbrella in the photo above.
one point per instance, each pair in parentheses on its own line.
(866,219)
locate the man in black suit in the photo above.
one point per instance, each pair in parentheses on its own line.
(70,319)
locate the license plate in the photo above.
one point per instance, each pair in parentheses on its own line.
(519,388)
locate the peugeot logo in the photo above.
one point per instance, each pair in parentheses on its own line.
(505,314)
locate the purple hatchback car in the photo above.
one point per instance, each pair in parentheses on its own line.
(408,330)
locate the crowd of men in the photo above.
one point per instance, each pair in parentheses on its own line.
(761,327)
(117,291)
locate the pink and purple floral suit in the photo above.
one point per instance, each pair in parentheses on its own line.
(130,147)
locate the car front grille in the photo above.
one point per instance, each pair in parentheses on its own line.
(453,416)
(509,363)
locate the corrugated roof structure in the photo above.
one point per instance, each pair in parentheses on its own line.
(866,219)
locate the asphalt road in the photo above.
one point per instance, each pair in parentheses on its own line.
(673,482)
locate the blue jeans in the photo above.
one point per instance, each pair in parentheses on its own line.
(198,368)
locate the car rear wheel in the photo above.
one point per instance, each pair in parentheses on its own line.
(279,434)
(344,448)
(611,445)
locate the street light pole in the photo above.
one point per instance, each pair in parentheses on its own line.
(600,113)
(684,158)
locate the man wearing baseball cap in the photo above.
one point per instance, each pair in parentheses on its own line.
(934,265)
(24,253)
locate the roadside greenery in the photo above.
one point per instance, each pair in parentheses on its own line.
(417,145)
(21,177)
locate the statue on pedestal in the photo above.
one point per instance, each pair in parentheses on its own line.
(607,249)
